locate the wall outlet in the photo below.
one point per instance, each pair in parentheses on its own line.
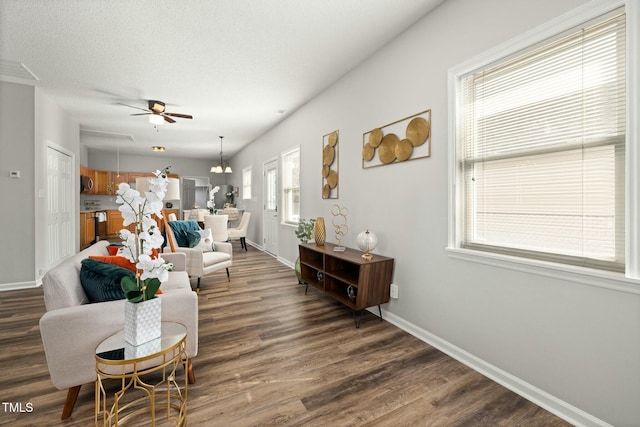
(393,292)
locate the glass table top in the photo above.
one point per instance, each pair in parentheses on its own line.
(115,348)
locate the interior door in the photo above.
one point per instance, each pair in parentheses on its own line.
(60,232)
(270,209)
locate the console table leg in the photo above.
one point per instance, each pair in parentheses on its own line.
(380,311)
(357,316)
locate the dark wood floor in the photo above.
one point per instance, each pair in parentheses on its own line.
(271,355)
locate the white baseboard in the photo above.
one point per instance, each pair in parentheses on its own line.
(18,285)
(541,398)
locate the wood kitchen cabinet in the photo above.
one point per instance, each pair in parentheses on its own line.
(115,178)
(114,223)
(87,228)
(101,183)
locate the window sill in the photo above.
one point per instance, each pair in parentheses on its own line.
(585,276)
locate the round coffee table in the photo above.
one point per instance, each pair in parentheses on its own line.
(150,369)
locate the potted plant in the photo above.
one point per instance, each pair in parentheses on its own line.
(304,232)
(138,247)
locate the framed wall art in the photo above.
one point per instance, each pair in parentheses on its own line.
(402,140)
(330,165)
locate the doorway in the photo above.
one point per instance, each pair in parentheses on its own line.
(60,233)
(270,208)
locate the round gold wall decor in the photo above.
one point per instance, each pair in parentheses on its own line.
(368,152)
(328,154)
(375,137)
(387,148)
(326,191)
(325,171)
(333,139)
(332,179)
(403,150)
(418,131)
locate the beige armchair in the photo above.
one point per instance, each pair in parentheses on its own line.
(72,328)
(201,263)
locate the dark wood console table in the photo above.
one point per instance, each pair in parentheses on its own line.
(347,277)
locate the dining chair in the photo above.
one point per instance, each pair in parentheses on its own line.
(218,226)
(240,232)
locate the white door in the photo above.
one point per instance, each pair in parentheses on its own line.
(59,233)
(270,209)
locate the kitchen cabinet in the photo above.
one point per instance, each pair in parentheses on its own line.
(115,178)
(114,223)
(101,183)
(87,229)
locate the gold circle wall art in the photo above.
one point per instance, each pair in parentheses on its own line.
(402,140)
(330,165)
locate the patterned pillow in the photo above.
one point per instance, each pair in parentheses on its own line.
(206,241)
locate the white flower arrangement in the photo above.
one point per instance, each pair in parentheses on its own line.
(211,204)
(139,244)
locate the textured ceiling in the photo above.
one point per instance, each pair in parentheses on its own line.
(232,64)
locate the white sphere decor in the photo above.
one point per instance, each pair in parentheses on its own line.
(367,241)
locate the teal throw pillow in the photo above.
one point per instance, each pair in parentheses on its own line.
(193,238)
(101,280)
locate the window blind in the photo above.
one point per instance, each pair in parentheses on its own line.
(543,148)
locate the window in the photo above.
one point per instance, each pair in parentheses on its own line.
(291,185)
(246,183)
(540,150)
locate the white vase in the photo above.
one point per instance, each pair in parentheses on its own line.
(142,321)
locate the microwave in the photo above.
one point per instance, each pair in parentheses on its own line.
(86,184)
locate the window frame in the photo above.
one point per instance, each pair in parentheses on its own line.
(246,187)
(286,220)
(627,281)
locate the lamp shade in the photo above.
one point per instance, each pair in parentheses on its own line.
(143,184)
(173,189)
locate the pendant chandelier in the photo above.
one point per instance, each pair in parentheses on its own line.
(221,167)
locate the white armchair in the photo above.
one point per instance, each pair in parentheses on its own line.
(201,263)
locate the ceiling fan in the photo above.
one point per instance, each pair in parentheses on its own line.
(157,110)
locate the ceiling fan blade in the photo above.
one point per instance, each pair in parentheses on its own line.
(181,116)
(133,106)
(168,119)
(140,114)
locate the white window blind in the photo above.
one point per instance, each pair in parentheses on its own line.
(543,148)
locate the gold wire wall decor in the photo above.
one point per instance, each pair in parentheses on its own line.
(340,226)
(330,165)
(404,139)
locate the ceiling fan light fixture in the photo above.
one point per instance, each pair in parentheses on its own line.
(156,119)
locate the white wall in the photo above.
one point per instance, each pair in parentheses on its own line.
(16,154)
(556,341)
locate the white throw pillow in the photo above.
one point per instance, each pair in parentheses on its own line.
(206,241)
